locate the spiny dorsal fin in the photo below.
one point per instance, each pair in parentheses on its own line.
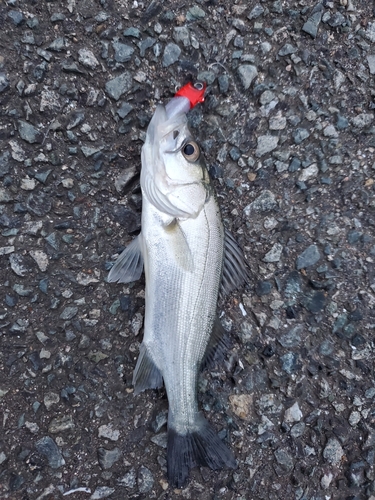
(129,265)
(235,273)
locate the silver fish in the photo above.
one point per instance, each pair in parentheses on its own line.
(188,260)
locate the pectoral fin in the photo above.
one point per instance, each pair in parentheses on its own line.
(129,265)
(235,273)
(146,374)
(179,246)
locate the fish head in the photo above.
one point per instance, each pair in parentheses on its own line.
(174,176)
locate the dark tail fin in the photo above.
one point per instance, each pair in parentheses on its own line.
(201,446)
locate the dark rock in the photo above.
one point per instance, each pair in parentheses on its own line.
(312,24)
(263,288)
(48,448)
(38,204)
(16,16)
(289,362)
(123,52)
(120,85)
(29,133)
(4,82)
(315,302)
(145,480)
(107,458)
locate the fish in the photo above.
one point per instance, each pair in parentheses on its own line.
(189,260)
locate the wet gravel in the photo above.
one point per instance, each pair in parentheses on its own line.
(288,131)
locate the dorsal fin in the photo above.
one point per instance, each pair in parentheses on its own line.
(235,272)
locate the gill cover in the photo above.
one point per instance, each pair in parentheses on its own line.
(176,183)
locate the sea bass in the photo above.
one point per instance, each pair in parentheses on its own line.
(188,259)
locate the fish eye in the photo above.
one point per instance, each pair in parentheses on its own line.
(191,151)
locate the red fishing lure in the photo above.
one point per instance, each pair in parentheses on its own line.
(193,92)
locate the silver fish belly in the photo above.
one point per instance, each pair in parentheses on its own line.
(187,257)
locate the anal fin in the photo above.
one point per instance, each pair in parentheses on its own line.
(129,265)
(146,374)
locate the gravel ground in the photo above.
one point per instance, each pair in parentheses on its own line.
(288,131)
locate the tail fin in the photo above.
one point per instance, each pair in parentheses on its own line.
(201,446)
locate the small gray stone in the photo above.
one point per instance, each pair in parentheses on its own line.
(298,430)
(194,13)
(266,143)
(47,447)
(293,414)
(370,32)
(265,47)
(284,459)
(333,451)
(4,82)
(274,254)
(124,109)
(134,32)
(256,12)
(123,52)
(300,135)
(266,97)
(107,458)
(223,82)
(75,119)
(18,264)
(277,122)
(58,45)
(337,19)
(287,49)
(312,24)
(247,74)
(16,16)
(5,163)
(265,202)
(171,54)
(181,34)
(160,439)
(29,133)
(69,312)
(308,257)
(118,86)
(102,492)
(107,431)
(363,120)
(291,338)
(145,480)
(330,131)
(309,173)
(125,178)
(289,362)
(50,399)
(87,59)
(145,44)
(128,480)
(60,424)
(370,60)
(5,196)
